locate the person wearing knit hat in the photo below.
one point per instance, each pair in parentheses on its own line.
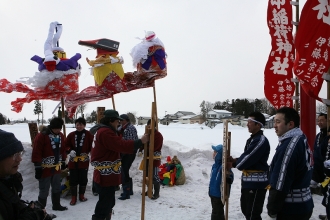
(9,146)
(105,158)
(79,144)
(11,205)
(48,156)
(128,132)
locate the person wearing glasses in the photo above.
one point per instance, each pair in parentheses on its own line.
(254,167)
(11,187)
(105,157)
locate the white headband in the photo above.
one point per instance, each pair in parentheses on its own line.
(256,121)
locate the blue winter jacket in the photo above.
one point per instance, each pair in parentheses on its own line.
(216,174)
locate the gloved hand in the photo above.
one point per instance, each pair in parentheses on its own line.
(113,60)
(63,165)
(73,153)
(327,164)
(272,215)
(38,173)
(313,184)
(229,180)
(121,59)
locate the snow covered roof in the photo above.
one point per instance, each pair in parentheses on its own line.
(221,111)
(187,116)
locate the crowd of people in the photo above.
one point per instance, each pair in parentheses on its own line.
(295,172)
(109,146)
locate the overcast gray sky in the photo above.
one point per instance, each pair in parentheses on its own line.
(217,50)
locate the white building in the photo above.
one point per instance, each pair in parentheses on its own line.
(186,119)
(218,114)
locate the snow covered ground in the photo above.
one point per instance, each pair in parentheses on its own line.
(192,145)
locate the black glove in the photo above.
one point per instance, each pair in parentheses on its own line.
(38,172)
(229,180)
(63,165)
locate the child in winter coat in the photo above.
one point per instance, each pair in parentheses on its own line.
(215,184)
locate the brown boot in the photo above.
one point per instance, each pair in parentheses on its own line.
(82,190)
(73,190)
(73,200)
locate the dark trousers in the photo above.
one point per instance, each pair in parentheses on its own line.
(45,183)
(217,209)
(106,201)
(126,163)
(78,177)
(252,202)
(283,216)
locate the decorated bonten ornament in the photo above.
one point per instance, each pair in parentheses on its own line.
(107,71)
(57,76)
(149,58)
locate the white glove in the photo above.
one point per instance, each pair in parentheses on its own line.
(113,60)
(327,164)
(121,59)
(73,153)
(313,184)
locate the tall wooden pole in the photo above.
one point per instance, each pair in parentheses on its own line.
(328,97)
(155,101)
(113,102)
(144,161)
(63,115)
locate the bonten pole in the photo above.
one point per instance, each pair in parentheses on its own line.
(144,163)
(155,101)
(63,115)
(113,102)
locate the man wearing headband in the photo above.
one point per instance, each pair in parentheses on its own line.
(254,167)
(290,171)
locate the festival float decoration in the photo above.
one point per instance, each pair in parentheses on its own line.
(107,71)
(57,76)
(149,58)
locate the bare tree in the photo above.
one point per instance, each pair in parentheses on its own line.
(80,109)
(321,107)
(132,117)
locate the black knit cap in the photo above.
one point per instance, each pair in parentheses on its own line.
(56,123)
(124,116)
(9,145)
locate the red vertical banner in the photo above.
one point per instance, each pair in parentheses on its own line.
(313,46)
(278,86)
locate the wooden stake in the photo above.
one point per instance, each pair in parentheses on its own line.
(328,97)
(113,102)
(155,101)
(151,148)
(63,115)
(144,161)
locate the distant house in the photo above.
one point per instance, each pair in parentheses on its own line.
(179,114)
(142,120)
(218,114)
(197,119)
(173,118)
(185,119)
(233,119)
(214,117)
